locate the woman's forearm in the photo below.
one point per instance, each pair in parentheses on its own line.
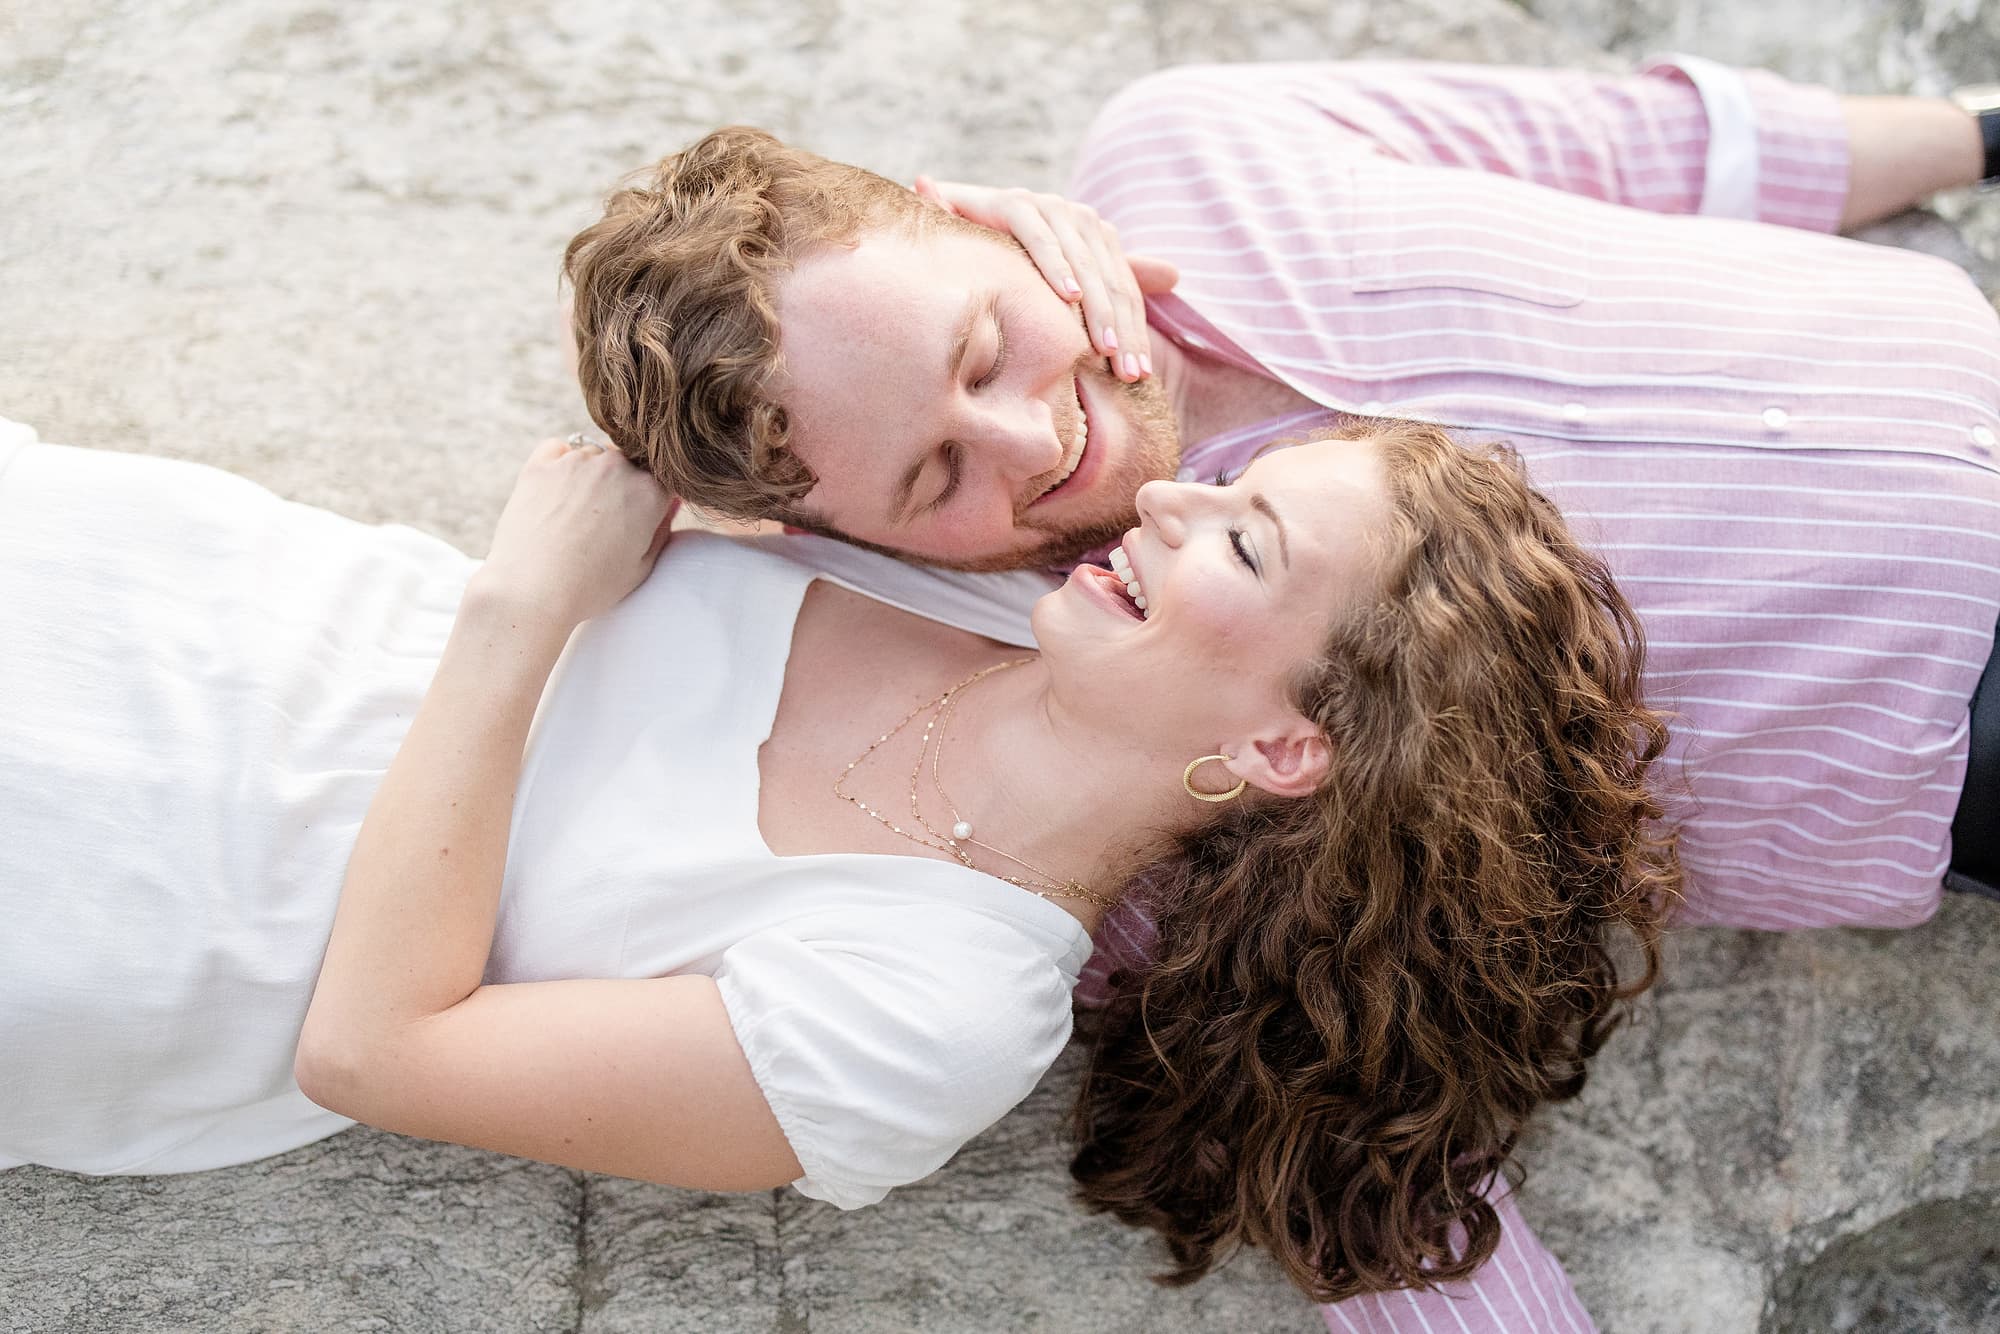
(414,926)
(415,920)
(1901,150)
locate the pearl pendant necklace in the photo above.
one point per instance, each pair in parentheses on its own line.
(932,744)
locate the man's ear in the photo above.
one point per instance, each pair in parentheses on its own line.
(1289,761)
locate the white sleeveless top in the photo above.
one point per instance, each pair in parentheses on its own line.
(203,685)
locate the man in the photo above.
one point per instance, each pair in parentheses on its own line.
(1783,442)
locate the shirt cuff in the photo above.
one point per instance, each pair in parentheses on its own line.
(1777,150)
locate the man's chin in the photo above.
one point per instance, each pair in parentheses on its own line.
(1045,551)
(1062,550)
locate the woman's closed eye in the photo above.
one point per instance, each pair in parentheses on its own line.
(1236,543)
(1241,548)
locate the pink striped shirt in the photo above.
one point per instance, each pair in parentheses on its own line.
(1781,441)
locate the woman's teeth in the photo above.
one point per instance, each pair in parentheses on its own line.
(1121,565)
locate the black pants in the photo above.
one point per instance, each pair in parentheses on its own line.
(1975,830)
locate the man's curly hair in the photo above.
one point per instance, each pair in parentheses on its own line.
(1358,997)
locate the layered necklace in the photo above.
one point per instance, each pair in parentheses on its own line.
(960,837)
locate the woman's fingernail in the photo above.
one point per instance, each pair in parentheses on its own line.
(1146,362)
(1131,365)
(1110,339)
(1070,285)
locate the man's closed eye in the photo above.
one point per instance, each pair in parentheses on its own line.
(954,473)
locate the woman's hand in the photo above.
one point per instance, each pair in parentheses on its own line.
(580,531)
(1078,252)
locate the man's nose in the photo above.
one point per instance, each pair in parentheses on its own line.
(1025,444)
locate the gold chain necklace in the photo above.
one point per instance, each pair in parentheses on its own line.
(961,830)
(1048,887)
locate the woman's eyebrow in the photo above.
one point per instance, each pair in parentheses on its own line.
(1264,507)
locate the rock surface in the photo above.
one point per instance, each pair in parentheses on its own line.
(317,244)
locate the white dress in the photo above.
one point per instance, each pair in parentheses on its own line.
(200,687)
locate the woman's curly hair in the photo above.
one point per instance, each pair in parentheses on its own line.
(1358,997)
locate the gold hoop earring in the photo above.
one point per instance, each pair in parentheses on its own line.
(1187,781)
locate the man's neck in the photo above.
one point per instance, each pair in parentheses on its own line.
(1211,396)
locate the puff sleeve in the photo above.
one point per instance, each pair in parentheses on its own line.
(885,1038)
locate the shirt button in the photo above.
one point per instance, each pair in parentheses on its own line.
(1372,408)
(1982,439)
(1776,419)
(1575,412)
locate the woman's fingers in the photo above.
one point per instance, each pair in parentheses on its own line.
(1107,315)
(927,188)
(1079,256)
(1021,215)
(1113,311)
(1134,359)
(581,529)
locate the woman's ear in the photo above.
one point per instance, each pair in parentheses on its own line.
(1289,762)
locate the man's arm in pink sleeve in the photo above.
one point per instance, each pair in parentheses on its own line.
(1800,156)
(1770,150)
(1520,1290)
(1684,135)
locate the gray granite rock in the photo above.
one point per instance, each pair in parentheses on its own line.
(1778,1096)
(1929,1270)
(317,244)
(363,1232)
(1857,46)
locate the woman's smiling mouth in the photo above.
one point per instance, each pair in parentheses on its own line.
(1121,565)
(1107,587)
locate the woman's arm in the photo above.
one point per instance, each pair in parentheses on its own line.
(642,1078)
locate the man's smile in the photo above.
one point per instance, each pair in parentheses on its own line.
(1079,466)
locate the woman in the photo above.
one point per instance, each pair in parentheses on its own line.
(1339,1076)
(780,869)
